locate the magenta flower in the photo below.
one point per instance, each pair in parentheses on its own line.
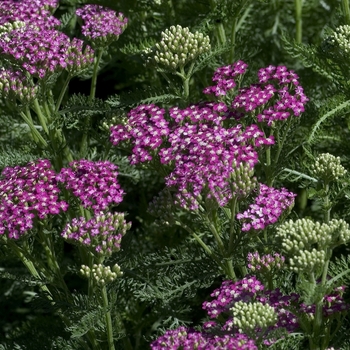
(94,183)
(101,25)
(42,52)
(102,234)
(146,127)
(35,12)
(14,83)
(27,193)
(277,86)
(223,77)
(268,206)
(189,339)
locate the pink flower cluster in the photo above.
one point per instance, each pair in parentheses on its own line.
(102,234)
(264,263)
(332,304)
(42,51)
(15,83)
(30,11)
(223,77)
(268,206)
(202,151)
(249,289)
(189,339)
(27,193)
(146,127)
(95,183)
(273,81)
(204,155)
(101,23)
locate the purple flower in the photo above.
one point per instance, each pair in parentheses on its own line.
(146,127)
(102,234)
(189,339)
(94,183)
(42,51)
(268,206)
(101,25)
(223,77)
(27,193)
(14,83)
(35,12)
(278,86)
(249,289)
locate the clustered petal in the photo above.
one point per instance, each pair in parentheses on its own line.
(223,77)
(94,183)
(30,11)
(101,25)
(189,339)
(273,81)
(27,192)
(14,83)
(268,206)
(42,51)
(102,234)
(146,127)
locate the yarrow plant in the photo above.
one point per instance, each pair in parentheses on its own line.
(197,111)
(101,25)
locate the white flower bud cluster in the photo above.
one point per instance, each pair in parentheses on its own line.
(179,46)
(341,36)
(306,241)
(9,26)
(101,274)
(328,168)
(249,316)
(242,181)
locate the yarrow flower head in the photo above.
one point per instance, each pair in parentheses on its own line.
(26,193)
(341,36)
(243,295)
(249,316)
(203,153)
(146,127)
(29,11)
(276,84)
(268,206)
(189,339)
(306,242)
(42,51)
(264,264)
(102,234)
(94,183)
(101,274)
(101,25)
(179,46)
(224,78)
(15,84)
(328,168)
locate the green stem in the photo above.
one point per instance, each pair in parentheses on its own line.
(41,117)
(36,134)
(233,39)
(62,93)
(48,245)
(94,75)
(232,222)
(21,254)
(84,140)
(298,20)
(346,11)
(108,319)
(327,214)
(220,30)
